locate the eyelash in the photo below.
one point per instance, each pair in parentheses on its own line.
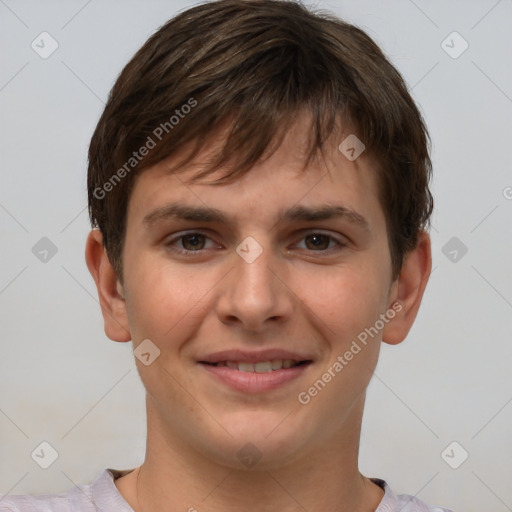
(187,252)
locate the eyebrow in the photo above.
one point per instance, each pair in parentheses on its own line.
(296,213)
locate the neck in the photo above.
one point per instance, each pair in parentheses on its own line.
(175,477)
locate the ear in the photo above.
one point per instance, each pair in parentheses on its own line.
(407,291)
(110,290)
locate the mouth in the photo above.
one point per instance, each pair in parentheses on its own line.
(255,372)
(260,366)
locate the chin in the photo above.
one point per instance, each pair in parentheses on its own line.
(258,441)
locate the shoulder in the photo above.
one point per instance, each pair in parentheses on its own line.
(392,502)
(27,503)
(101,495)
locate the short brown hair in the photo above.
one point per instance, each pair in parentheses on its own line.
(257,63)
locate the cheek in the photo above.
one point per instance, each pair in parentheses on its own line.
(165,297)
(345,300)
(347,305)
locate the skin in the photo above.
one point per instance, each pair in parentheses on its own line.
(296,295)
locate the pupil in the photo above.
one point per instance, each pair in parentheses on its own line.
(318,238)
(195,244)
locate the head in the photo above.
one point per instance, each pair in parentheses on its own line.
(256,64)
(244,106)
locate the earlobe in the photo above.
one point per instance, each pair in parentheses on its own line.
(408,290)
(110,291)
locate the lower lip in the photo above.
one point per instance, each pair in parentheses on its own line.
(252,382)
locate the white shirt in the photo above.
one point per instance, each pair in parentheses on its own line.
(102,495)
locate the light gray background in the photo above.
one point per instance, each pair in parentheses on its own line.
(62,381)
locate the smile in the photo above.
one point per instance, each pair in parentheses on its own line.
(256,377)
(261,366)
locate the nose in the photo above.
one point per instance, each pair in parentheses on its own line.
(255,294)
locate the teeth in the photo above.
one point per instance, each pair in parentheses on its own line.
(261,367)
(246,367)
(277,364)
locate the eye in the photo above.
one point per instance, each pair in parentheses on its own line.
(192,242)
(195,243)
(319,242)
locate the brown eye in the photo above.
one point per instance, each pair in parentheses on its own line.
(318,241)
(323,244)
(192,242)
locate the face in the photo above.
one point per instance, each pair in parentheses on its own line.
(250,308)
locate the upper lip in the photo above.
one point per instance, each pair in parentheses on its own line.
(245,356)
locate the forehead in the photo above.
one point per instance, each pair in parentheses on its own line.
(275,185)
